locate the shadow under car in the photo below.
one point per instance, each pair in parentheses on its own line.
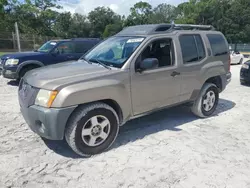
(169,119)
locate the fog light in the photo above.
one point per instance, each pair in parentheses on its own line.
(245,66)
(40,126)
(8,72)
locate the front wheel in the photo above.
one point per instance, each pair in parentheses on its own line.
(24,70)
(92,129)
(207,101)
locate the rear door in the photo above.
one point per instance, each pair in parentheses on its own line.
(82,47)
(193,57)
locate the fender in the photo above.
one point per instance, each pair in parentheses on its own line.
(213,69)
(96,90)
(29,62)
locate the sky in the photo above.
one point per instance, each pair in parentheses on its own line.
(119,6)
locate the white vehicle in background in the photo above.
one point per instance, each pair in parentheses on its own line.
(236,57)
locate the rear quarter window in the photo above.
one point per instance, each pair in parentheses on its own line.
(84,46)
(218,44)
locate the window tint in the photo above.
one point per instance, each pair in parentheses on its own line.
(160,49)
(66,48)
(189,49)
(218,44)
(200,47)
(84,46)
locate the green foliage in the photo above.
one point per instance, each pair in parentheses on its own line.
(163,13)
(232,17)
(112,29)
(139,14)
(99,18)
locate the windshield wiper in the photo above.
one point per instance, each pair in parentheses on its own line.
(100,63)
(83,58)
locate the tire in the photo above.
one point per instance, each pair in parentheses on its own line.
(241,61)
(24,70)
(201,104)
(90,121)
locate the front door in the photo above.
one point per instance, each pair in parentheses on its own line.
(158,87)
(65,51)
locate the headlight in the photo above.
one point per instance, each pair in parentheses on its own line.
(245,66)
(45,98)
(12,62)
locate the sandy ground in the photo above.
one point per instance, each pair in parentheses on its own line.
(171,148)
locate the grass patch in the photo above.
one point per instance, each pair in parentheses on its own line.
(1,53)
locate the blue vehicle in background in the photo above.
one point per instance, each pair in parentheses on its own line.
(15,66)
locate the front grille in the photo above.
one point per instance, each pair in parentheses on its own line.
(26,94)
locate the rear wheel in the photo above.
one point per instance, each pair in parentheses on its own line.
(207,101)
(92,129)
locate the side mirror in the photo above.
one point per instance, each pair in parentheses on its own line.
(237,52)
(149,63)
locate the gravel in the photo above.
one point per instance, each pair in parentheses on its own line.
(171,148)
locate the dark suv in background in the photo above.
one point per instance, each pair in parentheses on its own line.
(14,66)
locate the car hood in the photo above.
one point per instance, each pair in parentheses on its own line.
(20,55)
(55,77)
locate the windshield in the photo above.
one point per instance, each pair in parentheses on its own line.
(114,51)
(48,46)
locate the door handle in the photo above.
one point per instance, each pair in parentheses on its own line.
(174,74)
(70,57)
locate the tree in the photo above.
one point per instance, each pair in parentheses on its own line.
(140,14)
(33,16)
(186,13)
(163,13)
(112,29)
(231,17)
(62,25)
(79,26)
(3,3)
(99,18)
(238,26)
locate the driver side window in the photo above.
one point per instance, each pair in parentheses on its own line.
(65,48)
(162,50)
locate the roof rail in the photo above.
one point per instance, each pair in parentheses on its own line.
(162,28)
(85,39)
(192,27)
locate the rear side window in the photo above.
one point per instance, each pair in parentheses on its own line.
(192,48)
(218,44)
(200,47)
(84,46)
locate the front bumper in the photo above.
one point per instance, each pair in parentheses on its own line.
(49,123)
(245,75)
(8,73)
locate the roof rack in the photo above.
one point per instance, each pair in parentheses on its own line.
(192,27)
(162,28)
